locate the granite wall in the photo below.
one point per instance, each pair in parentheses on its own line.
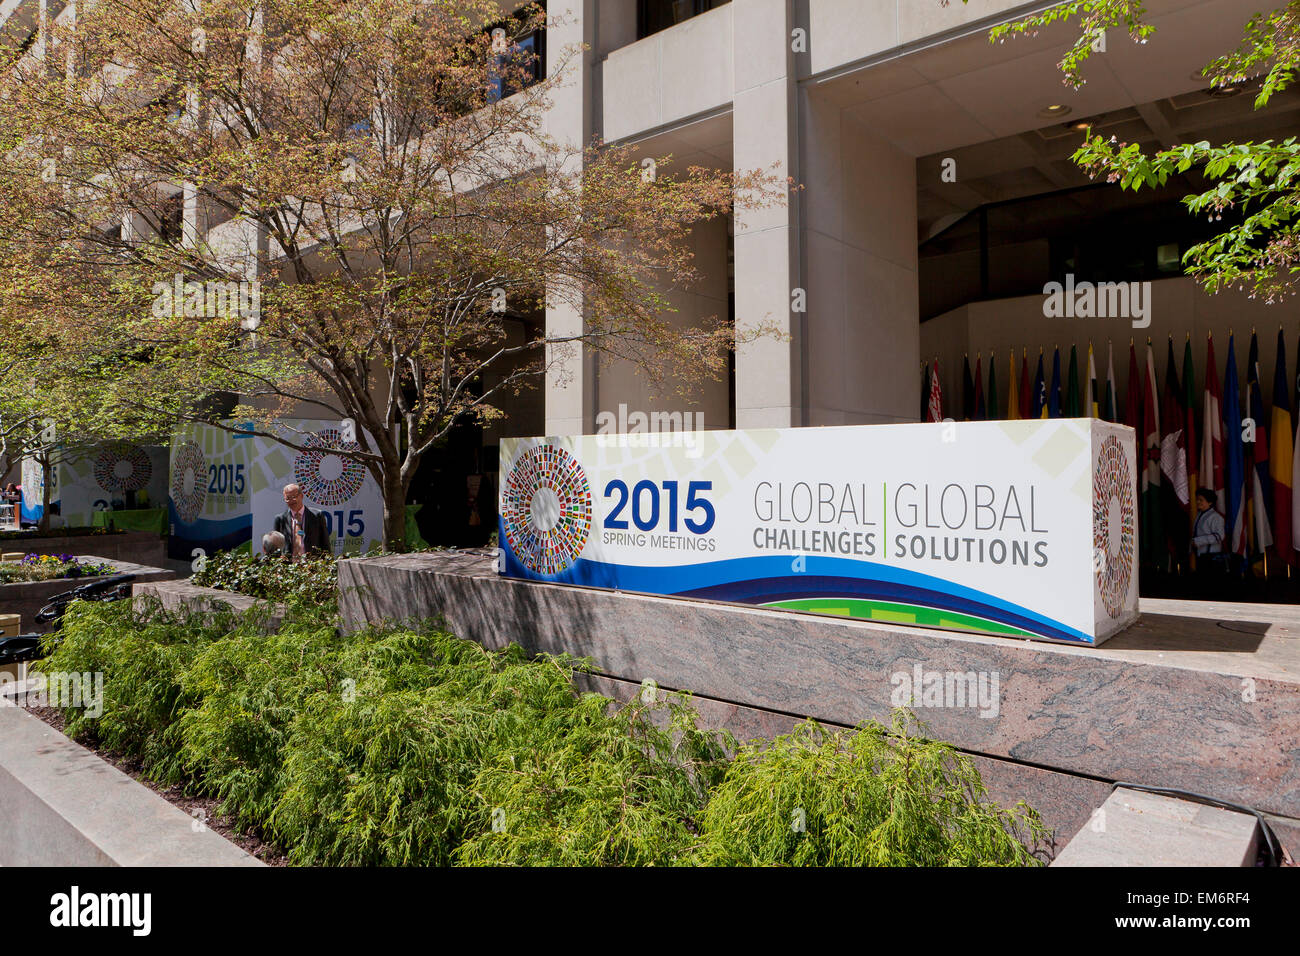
(1201,697)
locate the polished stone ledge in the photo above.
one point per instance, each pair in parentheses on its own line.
(183,596)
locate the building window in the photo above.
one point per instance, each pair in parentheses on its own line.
(656,15)
(171,220)
(527,54)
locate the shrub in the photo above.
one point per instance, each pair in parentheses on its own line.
(312,581)
(245,690)
(142,651)
(396,746)
(386,775)
(604,789)
(875,797)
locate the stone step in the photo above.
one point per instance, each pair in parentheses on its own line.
(1135,828)
(64,806)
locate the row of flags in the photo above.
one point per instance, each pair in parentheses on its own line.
(1247,455)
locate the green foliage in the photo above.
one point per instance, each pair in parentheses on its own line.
(378,770)
(612,789)
(143,651)
(312,581)
(1270,46)
(875,797)
(1261,249)
(248,689)
(395,746)
(1258,249)
(1095,17)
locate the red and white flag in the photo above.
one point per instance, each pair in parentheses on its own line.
(1211,473)
(935,408)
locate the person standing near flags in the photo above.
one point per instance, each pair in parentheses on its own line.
(1207,540)
(1207,533)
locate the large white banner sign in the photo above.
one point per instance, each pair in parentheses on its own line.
(227,487)
(115,474)
(342,489)
(1016,528)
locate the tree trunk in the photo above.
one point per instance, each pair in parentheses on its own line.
(394,510)
(47,476)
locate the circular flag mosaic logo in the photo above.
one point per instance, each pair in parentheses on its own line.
(546,509)
(122,466)
(189,481)
(325,476)
(1112,524)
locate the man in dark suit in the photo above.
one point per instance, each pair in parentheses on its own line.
(304,530)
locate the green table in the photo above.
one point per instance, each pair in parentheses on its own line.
(137,519)
(413,539)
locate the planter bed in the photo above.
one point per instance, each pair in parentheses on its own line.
(194,807)
(136,547)
(27,597)
(65,806)
(176,595)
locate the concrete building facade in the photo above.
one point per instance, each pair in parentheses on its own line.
(903,127)
(934,195)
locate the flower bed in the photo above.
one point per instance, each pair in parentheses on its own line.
(50,567)
(26,597)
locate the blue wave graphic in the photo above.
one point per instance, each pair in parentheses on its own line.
(766,579)
(210,534)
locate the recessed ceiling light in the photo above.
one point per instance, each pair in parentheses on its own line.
(1223,92)
(1226,89)
(1055,111)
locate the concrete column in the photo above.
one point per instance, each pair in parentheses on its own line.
(768,370)
(194,228)
(571,379)
(862,333)
(134,227)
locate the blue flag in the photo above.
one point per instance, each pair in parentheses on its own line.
(1039,401)
(1054,397)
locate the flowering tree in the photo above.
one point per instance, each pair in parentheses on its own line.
(57,404)
(1258,248)
(351,210)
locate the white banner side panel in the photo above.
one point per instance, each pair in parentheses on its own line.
(1114,528)
(117,474)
